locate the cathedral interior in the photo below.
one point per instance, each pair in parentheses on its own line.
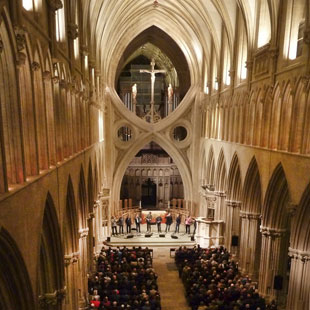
(200,107)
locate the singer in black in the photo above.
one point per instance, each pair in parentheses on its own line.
(177,223)
(158,222)
(168,221)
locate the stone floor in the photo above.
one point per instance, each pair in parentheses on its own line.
(170,285)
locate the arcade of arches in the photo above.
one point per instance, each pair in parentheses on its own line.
(235,122)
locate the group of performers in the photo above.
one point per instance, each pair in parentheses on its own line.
(189,221)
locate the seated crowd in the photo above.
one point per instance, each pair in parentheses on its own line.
(212,281)
(125,279)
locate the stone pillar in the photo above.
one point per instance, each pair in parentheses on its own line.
(83,289)
(232,224)
(250,243)
(273,261)
(220,206)
(71,273)
(299,283)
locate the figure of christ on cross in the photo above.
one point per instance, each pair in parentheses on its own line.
(152,72)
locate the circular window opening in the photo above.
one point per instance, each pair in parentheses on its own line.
(124,133)
(179,133)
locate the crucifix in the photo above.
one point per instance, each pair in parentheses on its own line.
(152,72)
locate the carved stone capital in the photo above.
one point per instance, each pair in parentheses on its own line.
(250,215)
(35,66)
(272,232)
(83,232)
(233,203)
(220,194)
(91,215)
(73,31)
(55,4)
(299,255)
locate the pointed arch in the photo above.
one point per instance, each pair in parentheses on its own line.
(221,174)
(70,221)
(285,118)
(298,119)
(15,286)
(234,189)
(90,188)
(210,171)
(252,192)
(51,265)
(165,144)
(40,109)
(82,200)
(274,213)
(258,119)
(275,119)
(28,112)
(49,109)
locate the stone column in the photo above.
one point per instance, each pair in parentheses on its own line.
(220,205)
(273,260)
(83,268)
(250,242)
(232,224)
(71,272)
(299,283)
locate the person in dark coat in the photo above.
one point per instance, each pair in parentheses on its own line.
(158,222)
(177,223)
(128,224)
(120,224)
(138,223)
(168,221)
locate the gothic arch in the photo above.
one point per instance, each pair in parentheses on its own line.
(210,169)
(250,241)
(15,286)
(252,193)
(285,118)
(40,108)
(221,174)
(82,200)
(180,161)
(90,188)
(274,214)
(49,108)
(234,180)
(51,266)
(28,116)
(275,118)
(70,221)
(298,119)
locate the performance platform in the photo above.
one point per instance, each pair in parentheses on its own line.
(170,239)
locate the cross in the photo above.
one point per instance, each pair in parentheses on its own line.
(152,72)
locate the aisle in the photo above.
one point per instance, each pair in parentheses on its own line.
(171,288)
